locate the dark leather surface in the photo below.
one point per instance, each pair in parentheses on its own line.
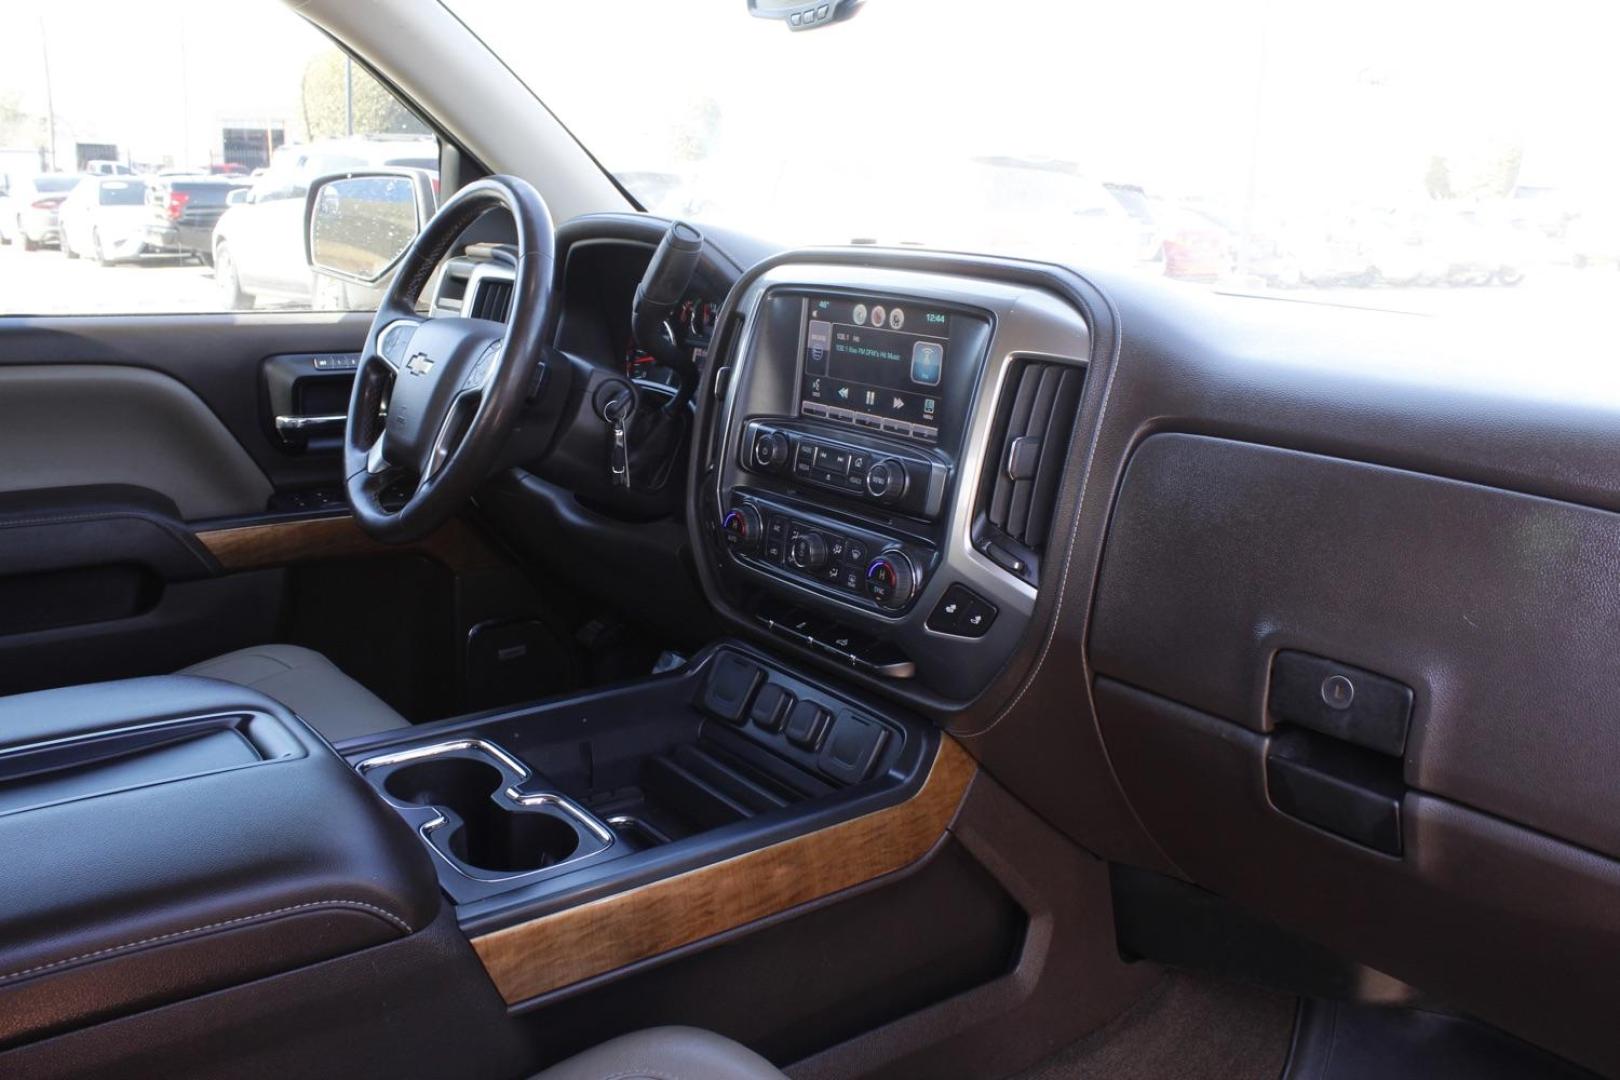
(1498,609)
(154,894)
(666,1053)
(63,528)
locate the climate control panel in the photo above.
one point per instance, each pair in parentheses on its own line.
(906,481)
(854,564)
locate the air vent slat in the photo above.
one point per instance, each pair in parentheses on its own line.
(1023,401)
(493,300)
(1031,448)
(1040,414)
(1054,453)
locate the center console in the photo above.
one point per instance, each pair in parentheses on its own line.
(884,465)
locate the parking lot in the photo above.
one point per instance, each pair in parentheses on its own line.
(46,282)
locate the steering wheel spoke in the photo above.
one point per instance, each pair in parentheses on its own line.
(394,344)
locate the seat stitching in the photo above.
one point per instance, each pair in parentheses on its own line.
(382,913)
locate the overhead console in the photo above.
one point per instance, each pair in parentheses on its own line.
(884,462)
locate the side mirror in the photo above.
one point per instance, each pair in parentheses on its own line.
(237,196)
(359,224)
(804,14)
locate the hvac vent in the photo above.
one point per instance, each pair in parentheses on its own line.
(492,299)
(1031,446)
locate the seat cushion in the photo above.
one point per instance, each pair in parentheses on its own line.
(666,1053)
(307,683)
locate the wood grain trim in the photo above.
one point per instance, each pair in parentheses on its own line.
(564,947)
(282,543)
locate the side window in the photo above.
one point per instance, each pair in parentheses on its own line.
(184,189)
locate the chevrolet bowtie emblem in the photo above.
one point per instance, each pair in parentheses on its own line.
(419,364)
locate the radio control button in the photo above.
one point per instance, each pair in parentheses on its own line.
(771,451)
(886,481)
(832,460)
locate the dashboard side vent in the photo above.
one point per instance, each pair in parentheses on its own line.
(492,300)
(1030,447)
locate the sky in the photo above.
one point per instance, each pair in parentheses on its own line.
(157,82)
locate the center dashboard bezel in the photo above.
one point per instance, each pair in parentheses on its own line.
(1025,322)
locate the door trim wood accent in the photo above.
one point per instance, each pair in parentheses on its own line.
(282,543)
(565,947)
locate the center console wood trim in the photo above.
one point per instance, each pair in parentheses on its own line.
(565,947)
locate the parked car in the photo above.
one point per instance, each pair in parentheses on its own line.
(1194,245)
(105,218)
(182,212)
(258,245)
(29,209)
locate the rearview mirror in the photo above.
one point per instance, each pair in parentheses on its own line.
(804,14)
(359,224)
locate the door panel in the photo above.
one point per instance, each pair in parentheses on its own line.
(216,357)
(119,436)
(65,425)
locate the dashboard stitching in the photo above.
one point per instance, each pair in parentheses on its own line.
(1068,558)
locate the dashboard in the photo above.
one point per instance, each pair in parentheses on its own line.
(1098,557)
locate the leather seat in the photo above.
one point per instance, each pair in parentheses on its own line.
(666,1053)
(307,683)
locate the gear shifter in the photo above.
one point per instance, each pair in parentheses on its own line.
(646,440)
(668,276)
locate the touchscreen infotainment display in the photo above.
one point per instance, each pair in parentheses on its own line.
(877,363)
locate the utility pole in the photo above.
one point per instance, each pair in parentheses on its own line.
(50,101)
(185,101)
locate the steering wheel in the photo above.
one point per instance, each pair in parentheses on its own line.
(434,398)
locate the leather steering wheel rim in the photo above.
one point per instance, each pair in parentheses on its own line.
(422,382)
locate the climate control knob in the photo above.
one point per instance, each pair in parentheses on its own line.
(808,551)
(886,480)
(891,579)
(743,528)
(771,451)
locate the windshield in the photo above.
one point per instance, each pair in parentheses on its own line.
(1394,154)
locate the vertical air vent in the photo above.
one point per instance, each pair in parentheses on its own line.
(492,299)
(1028,450)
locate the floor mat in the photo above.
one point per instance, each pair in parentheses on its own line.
(1188,1028)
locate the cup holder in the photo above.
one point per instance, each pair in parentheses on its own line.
(490,832)
(506,842)
(452,782)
